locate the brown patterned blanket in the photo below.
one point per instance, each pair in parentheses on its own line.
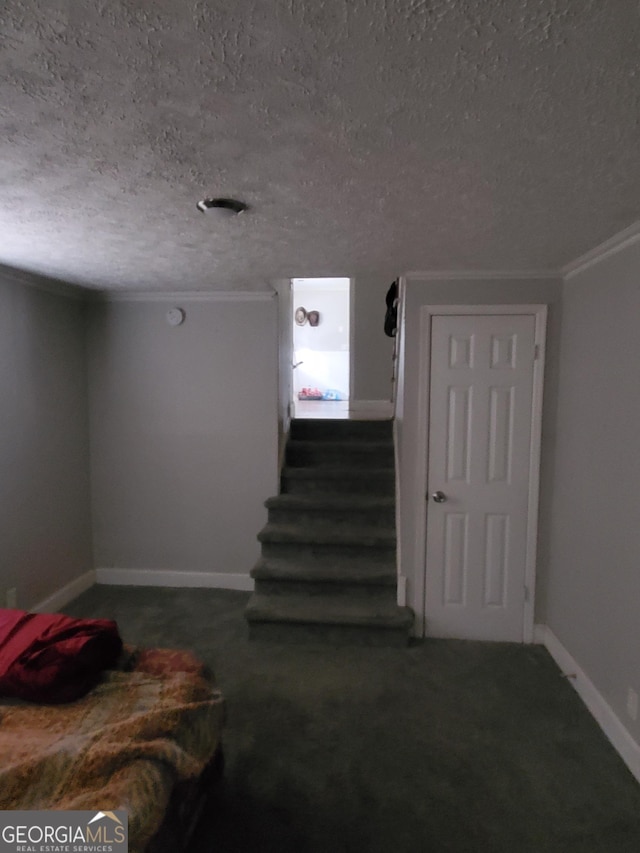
(150,724)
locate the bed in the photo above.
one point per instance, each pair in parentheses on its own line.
(145,738)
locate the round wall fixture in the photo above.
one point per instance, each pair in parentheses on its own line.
(223,206)
(175,316)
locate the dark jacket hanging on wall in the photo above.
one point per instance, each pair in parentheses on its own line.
(391,317)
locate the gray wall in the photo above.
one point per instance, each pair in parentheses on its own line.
(470,292)
(184,433)
(594,579)
(371,349)
(45,527)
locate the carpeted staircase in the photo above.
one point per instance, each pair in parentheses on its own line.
(328,565)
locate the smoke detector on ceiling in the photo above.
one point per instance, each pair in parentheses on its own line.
(223,206)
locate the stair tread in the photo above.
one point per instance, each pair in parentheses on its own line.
(337,472)
(329,500)
(342,443)
(327,610)
(328,533)
(319,424)
(347,571)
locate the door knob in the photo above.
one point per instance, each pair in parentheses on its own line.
(439,497)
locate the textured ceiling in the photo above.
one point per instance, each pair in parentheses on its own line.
(366,135)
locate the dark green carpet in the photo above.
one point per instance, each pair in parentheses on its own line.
(440,747)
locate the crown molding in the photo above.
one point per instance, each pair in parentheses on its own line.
(186,296)
(468,275)
(46,284)
(614,244)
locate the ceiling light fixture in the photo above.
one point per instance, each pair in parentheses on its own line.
(224,206)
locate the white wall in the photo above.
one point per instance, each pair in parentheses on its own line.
(479,291)
(45,526)
(184,433)
(593,604)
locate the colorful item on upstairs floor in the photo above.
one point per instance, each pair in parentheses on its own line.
(317,394)
(52,658)
(310,394)
(333,394)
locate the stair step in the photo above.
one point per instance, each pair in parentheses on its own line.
(334,453)
(336,509)
(365,572)
(333,500)
(314,589)
(298,633)
(345,479)
(326,610)
(328,429)
(319,534)
(292,619)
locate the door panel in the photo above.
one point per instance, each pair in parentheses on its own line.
(481,392)
(455,558)
(459,433)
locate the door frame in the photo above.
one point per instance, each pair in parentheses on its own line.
(292,335)
(427,312)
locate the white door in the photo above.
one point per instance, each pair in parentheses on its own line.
(479,461)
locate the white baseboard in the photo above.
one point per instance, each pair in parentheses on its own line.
(539,634)
(602,712)
(66,594)
(372,408)
(167,577)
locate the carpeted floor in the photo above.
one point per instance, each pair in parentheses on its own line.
(443,747)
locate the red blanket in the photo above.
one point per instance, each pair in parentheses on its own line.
(48,657)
